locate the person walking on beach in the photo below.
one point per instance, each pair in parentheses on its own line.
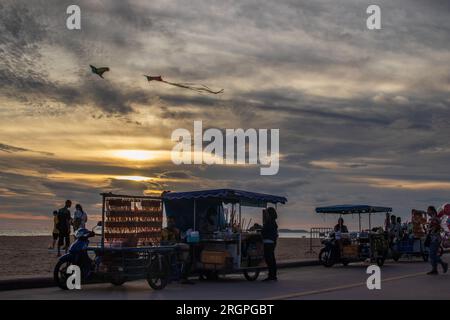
(64,222)
(79,218)
(55,232)
(270,235)
(434,234)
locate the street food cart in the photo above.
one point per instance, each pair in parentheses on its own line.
(412,242)
(371,244)
(129,246)
(222,240)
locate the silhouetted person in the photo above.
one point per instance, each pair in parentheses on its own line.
(64,222)
(79,218)
(55,232)
(434,234)
(270,235)
(340,227)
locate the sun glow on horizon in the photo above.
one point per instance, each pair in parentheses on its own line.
(133,178)
(135,155)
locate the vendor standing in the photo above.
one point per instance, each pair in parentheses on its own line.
(270,235)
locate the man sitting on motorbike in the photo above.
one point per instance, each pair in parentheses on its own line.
(340,227)
(338,230)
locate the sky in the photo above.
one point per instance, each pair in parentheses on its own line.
(364,115)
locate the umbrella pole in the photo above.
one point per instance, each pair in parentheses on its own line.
(103,222)
(195,211)
(240,215)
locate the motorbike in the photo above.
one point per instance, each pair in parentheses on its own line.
(364,246)
(77,255)
(330,252)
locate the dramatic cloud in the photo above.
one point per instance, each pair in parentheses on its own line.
(364,116)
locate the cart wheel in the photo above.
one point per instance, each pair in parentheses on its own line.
(118,281)
(380,261)
(158,273)
(425,257)
(211,275)
(326,257)
(396,256)
(251,275)
(60,274)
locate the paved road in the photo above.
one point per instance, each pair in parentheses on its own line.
(402,280)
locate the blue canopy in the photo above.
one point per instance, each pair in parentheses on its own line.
(227,196)
(351,209)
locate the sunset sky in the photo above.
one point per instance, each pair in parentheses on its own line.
(364,116)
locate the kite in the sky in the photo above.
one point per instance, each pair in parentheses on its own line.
(99,71)
(191,86)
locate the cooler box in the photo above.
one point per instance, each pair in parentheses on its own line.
(350,250)
(215,259)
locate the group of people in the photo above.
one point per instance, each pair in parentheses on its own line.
(63,222)
(398,231)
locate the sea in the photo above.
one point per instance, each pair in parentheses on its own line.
(293,234)
(37,228)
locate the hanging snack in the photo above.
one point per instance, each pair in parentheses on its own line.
(132,221)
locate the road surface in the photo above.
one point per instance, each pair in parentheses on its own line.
(401,280)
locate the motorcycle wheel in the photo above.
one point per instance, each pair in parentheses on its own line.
(325,257)
(60,274)
(251,275)
(380,261)
(396,256)
(118,281)
(158,273)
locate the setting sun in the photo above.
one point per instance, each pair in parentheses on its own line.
(133,178)
(134,155)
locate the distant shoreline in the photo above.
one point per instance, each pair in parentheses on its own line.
(293,231)
(39,233)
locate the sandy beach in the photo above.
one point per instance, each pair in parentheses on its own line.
(28,256)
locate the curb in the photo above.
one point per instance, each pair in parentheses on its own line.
(296,264)
(48,282)
(26,283)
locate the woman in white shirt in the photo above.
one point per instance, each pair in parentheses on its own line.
(79,218)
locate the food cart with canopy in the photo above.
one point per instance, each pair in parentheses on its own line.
(129,246)
(222,239)
(370,244)
(411,243)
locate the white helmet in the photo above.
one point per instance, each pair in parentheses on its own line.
(82,232)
